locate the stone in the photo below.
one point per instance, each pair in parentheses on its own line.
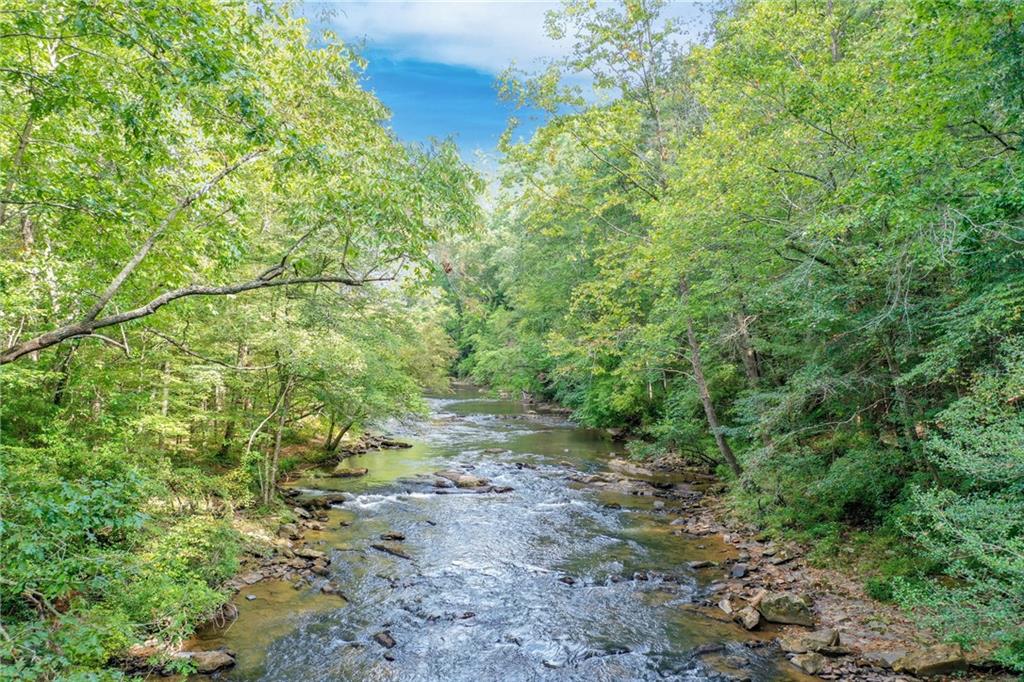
(803,642)
(307,553)
(385,639)
(392,549)
(251,578)
(785,607)
(939,659)
(289,531)
(301,513)
(726,605)
(250,597)
(297,563)
(349,472)
(749,617)
(810,663)
(659,504)
(207,662)
(701,564)
(882,659)
(738,571)
(392,535)
(755,601)
(330,588)
(470,481)
(320,568)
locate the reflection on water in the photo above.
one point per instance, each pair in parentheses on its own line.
(535,584)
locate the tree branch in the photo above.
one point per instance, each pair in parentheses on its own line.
(144,250)
(88,326)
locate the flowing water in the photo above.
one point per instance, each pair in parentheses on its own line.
(487,593)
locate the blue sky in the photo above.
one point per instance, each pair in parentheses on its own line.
(434,62)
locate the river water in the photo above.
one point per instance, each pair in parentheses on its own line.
(551,581)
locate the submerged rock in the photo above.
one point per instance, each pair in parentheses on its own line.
(391,548)
(385,639)
(341,471)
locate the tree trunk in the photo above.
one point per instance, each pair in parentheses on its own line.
(333,445)
(751,362)
(702,389)
(282,418)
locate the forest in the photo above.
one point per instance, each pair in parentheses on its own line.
(792,253)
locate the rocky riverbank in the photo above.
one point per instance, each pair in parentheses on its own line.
(829,627)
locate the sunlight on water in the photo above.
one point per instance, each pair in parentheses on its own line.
(535,584)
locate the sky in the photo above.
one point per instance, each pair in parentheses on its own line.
(434,62)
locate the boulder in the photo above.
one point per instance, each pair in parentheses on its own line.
(302,513)
(939,659)
(307,553)
(288,530)
(341,471)
(251,578)
(738,570)
(785,607)
(810,663)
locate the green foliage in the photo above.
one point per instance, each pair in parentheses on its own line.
(198,211)
(799,243)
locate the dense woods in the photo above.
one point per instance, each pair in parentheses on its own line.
(795,254)
(212,248)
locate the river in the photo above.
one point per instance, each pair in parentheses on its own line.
(551,581)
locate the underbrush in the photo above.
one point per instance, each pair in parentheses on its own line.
(98,554)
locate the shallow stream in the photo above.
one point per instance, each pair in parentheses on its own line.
(551,581)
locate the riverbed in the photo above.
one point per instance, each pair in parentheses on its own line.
(552,580)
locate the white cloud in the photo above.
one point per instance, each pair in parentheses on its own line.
(484,35)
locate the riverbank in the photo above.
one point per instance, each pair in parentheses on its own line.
(842,633)
(396,545)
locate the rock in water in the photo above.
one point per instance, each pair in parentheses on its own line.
(208,661)
(811,663)
(461,479)
(392,549)
(749,617)
(934,660)
(385,639)
(470,481)
(392,535)
(784,607)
